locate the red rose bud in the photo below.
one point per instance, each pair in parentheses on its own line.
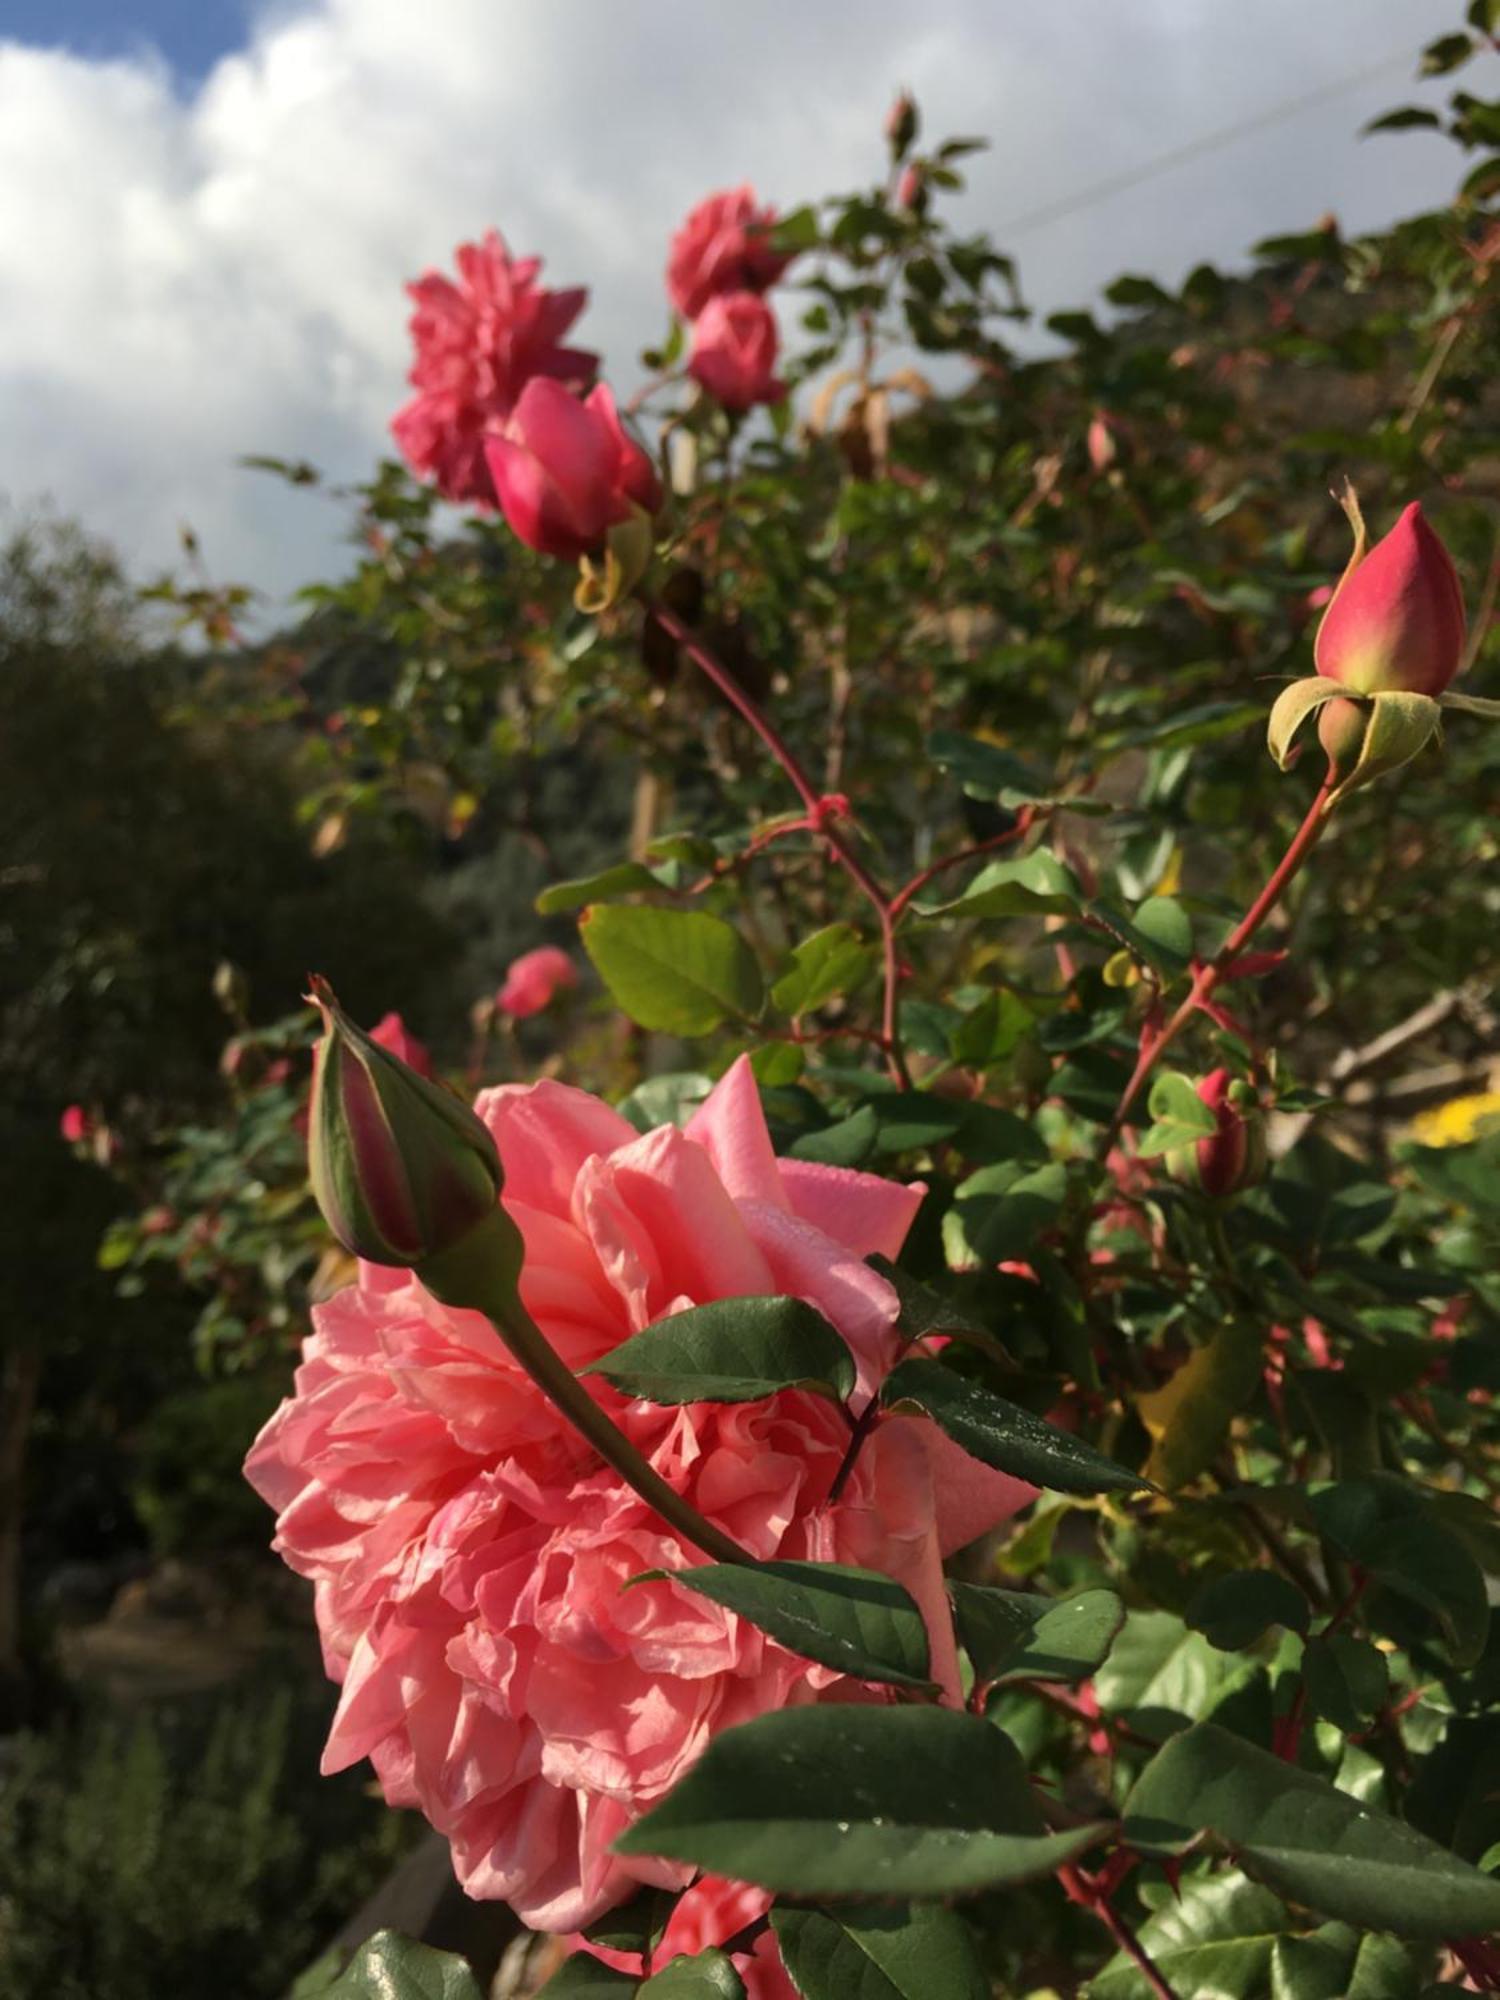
(1234,1155)
(400,1166)
(734,351)
(566,471)
(1396,622)
(901,123)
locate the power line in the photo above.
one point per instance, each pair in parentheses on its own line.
(1086,197)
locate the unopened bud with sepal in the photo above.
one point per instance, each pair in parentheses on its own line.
(400,1166)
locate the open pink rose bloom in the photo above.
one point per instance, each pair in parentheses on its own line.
(469,1552)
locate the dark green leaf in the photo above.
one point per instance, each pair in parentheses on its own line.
(1385,1526)
(847,1800)
(1347,1682)
(584,1977)
(1161,1676)
(1013,1635)
(1233,1611)
(392,1967)
(1447,53)
(1305,1839)
(732,1351)
(1225,1938)
(843,1144)
(1406,119)
(709,1976)
(1002,1434)
(878,1951)
(1000,1211)
(681,972)
(636,1926)
(855,1620)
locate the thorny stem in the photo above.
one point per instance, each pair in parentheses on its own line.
(709,664)
(1204,981)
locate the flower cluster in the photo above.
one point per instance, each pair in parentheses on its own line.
(721,264)
(471,1555)
(479,342)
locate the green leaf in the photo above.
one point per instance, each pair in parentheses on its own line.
(843,1144)
(847,1800)
(709,1976)
(620,880)
(1225,1938)
(1160,1676)
(1405,119)
(1385,1526)
(999,1212)
(1035,884)
(1160,931)
(731,1351)
(636,1926)
(669,1099)
(1347,1681)
(1013,1635)
(1447,53)
(830,962)
(392,1967)
(1233,1611)
(1179,1115)
(878,1951)
(1002,1434)
(857,1621)
(680,972)
(1305,1839)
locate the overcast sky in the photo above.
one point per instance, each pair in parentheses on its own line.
(209,210)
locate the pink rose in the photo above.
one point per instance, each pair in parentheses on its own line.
(534,980)
(724,246)
(1396,621)
(392,1033)
(469,1552)
(479,342)
(711,1913)
(566,471)
(734,351)
(75,1124)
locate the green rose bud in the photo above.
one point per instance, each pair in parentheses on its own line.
(400,1166)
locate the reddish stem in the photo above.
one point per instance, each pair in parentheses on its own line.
(1302,844)
(919,881)
(1086,1889)
(709,664)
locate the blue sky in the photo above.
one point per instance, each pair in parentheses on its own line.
(219,202)
(191,34)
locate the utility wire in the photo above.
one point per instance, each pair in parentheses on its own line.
(1164,163)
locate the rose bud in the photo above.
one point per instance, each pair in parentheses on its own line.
(901,123)
(1396,621)
(1234,1155)
(1391,640)
(566,471)
(534,980)
(734,351)
(400,1166)
(724,246)
(911,189)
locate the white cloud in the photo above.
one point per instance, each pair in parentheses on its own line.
(187,278)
